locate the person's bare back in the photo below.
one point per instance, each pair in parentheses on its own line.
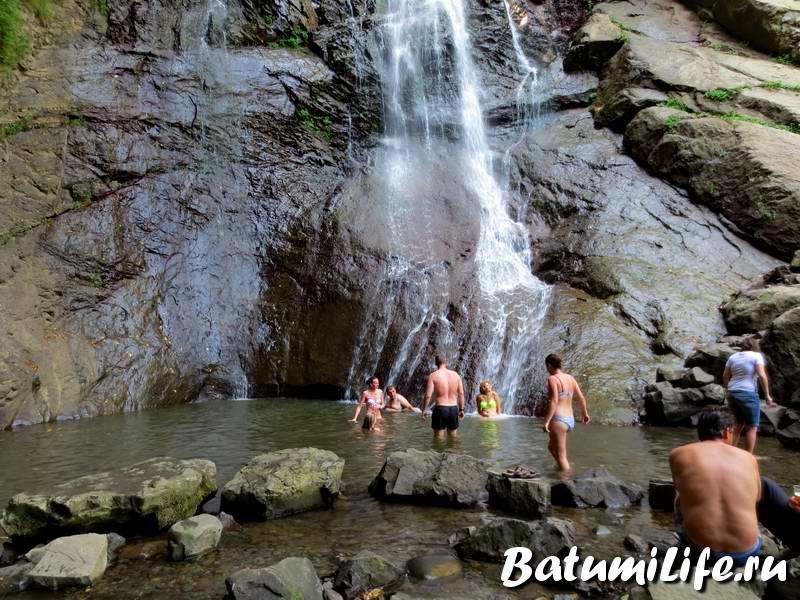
(446,386)
(718,487)
(448,389)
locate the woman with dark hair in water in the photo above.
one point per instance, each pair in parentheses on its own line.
(372,398)
(560,419)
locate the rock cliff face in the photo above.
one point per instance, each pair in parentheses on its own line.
(184,191)
(167,165)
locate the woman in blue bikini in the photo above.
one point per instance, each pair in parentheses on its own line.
(560,420)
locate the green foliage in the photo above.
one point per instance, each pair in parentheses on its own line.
(81,197)
(734,116)
(725,48)
(783,59)
(294,39)
(624,33)
(712,189)
(101,6)
(13,42)
(268,20)
(43,9)
(95,280)
(671,123)
(75,121)
(16,231)
(321,126)
(676,104)
(780,85)
(15,127)
(719,95)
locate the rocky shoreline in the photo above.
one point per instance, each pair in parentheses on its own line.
(520,515)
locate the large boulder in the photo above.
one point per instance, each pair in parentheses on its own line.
(661,494)
(14,578)
(284,483)
(194,536)
(772,26)
(521,496)
(754,309)
(364,572)
(546,537)
(667,405)
(711,358)
(290,579)
(771,417)
(429,477)
(596,488)
(747,173)
(77,560)
(145,497)
(781,344)
(593,44)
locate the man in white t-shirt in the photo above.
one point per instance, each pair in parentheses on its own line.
(742,372)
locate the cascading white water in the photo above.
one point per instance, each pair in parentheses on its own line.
(435,153)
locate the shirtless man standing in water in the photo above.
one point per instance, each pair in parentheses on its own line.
(449,407)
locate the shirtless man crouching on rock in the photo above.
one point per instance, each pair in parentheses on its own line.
(721,496)
(449,407)
(397,402)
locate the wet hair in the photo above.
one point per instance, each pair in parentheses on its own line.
(368,422)
(390,388)
(712,424)
(751,344)
(553,361)
(373,378)
(484,386)
(440,361)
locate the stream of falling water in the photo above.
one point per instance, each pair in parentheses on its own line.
(434,129)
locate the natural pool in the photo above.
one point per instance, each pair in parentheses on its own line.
(230,433)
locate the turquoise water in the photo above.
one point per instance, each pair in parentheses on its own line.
(231,432)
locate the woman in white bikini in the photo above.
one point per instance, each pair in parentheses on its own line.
(560,419)
(373,399)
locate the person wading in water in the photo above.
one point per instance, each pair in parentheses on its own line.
(560,419)
(372,398)
(449,407)
(742,372)
(488,401)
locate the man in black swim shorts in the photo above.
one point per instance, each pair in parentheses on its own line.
(449,407)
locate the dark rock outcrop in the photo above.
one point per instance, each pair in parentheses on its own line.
(430,477)
(365,572)
(290,578)
(596,488)
(782,345)
(722,174)
(284,483)
(520,496)
(661,494)
(546,537)
(166,166)
(769,25)
(147,496)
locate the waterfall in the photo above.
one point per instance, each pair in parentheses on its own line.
(435,158)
